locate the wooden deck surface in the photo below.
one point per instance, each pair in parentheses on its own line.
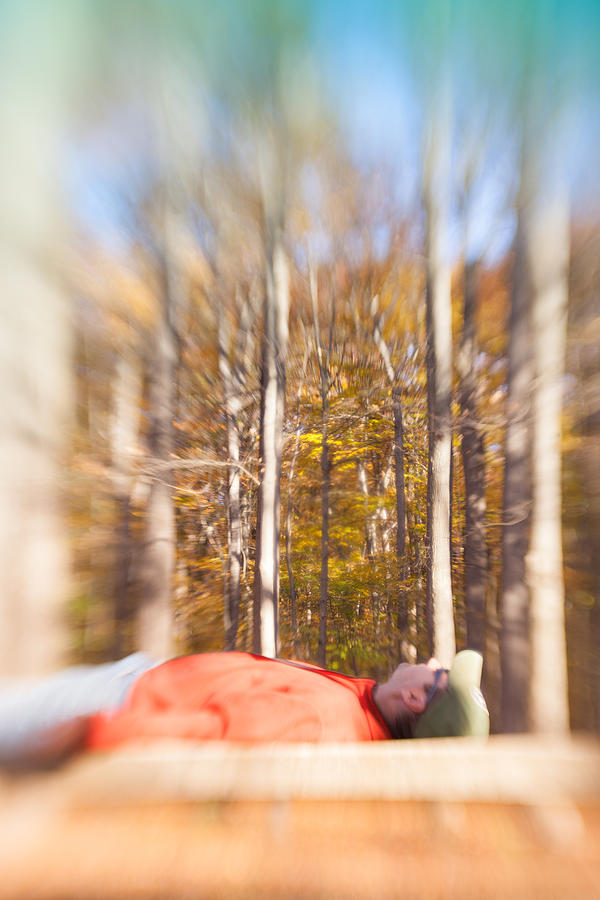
(513,817)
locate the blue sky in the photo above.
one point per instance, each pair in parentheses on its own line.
(376,66)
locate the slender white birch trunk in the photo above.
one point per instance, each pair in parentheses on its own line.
(232,403)
(154,620)
(274,348)
(439,391)
(548,260)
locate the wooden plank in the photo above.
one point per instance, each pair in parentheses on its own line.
(304,849)
(507,769)
(510,817)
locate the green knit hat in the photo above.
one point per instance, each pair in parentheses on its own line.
(460,710)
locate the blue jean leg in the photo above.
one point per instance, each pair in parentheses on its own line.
(27,710)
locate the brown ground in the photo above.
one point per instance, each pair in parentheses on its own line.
(301,849)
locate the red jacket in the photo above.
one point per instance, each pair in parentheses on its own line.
(242,697)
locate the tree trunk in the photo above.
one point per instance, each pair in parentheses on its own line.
(290,572)
(234,530)
(324,576)
(124,433)
(154,612)
(399,476)
(516,505)
(439,388)
(406,632)
(473,458)
(548,247)
(232,403)
(324,364)
(36,402)
(382,514)
(246,506)
(289,515)
(274,348)
(370,526)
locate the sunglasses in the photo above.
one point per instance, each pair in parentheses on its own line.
(436,682)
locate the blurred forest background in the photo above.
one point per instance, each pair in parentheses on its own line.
(300,344)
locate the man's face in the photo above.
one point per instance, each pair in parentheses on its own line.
(410,685)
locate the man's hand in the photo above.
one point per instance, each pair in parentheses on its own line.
(51,747)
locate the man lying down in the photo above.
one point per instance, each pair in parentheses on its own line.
(237,697)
